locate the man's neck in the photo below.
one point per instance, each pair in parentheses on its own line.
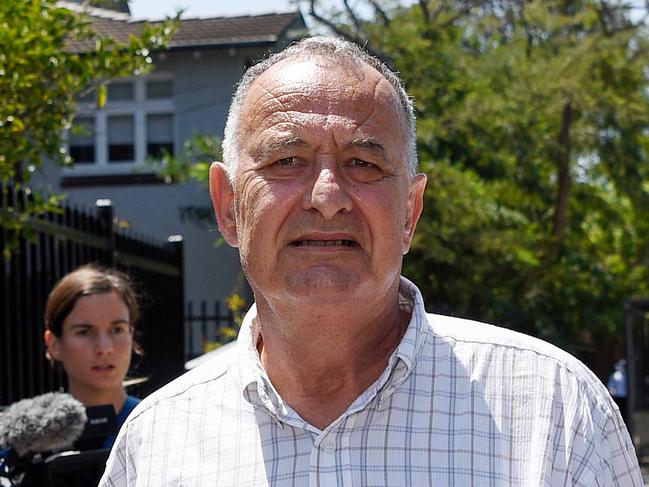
(320,367)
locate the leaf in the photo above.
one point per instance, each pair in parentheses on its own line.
(102,95)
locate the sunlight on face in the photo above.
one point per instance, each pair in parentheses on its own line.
(323,196)
(95,344)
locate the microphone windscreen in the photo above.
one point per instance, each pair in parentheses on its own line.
(42,423)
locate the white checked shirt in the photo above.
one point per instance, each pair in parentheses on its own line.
(460,403)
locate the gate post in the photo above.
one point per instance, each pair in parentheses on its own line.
(631,369)
(105,213)
(176,243)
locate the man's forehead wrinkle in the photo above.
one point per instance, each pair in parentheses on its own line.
(364,121)
(329,99)
(260,108)
(267,102)
(290,102)
(384,91)
(272,96)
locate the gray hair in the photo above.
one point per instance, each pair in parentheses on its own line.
(330,48)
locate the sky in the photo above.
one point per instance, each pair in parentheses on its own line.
(157,9)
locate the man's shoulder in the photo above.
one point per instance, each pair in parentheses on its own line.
(479,337)
(212,373)
(529,363)
(480,333)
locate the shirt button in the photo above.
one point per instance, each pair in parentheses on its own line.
(328,447)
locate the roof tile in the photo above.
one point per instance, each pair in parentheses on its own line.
(218,31)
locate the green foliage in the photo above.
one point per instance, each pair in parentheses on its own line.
(193,162)
(533,127)
(41,78)
(237,305)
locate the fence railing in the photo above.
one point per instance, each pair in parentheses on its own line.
(204,327)
(636,340)
(59,243)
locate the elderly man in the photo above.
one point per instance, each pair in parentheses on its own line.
(339,376)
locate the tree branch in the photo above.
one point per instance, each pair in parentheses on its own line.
(423,4)
(385,20)
(352,17)
(564,180)
(436,12)
(459,12)
(346,35)
(607,18)
(329,24)
(604,15)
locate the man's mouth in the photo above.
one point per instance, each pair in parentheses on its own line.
(324,243)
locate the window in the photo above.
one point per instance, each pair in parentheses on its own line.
(159,89)
(120,91)
(159,135)
(121,139)
(82,141)
(136,123)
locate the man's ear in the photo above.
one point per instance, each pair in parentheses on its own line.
(53,345)
(223,202)
(415,207)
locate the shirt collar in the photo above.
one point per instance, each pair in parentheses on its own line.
(255,384)
(258,389)
(411,300)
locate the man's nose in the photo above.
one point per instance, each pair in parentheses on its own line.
(328,194)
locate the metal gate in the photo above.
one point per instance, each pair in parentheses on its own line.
(59,243)
(636,325)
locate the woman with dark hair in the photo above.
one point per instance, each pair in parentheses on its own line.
(90,320)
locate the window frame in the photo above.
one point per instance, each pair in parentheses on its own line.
(139,108)
(146,128)
(92,136)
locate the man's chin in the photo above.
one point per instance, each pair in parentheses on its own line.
(321,282)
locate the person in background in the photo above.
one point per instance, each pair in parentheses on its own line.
(617,386)
(90,320)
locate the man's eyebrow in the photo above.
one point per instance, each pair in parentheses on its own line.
(265,150)
(369,144)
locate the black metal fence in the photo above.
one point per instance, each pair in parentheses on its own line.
(205,325)
(60,242)
(636,340)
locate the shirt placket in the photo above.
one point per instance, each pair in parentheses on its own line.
(330,457)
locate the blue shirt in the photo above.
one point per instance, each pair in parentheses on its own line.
(617,381)
(129,405)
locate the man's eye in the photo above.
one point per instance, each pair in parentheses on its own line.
(287,162)
(362,163)
(363,171)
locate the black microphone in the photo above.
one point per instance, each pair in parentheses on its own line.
(47,422)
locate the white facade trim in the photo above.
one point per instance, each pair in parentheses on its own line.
(138,108)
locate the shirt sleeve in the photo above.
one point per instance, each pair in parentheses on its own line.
(619,462)
(120,468)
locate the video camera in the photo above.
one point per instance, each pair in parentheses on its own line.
(54,441)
